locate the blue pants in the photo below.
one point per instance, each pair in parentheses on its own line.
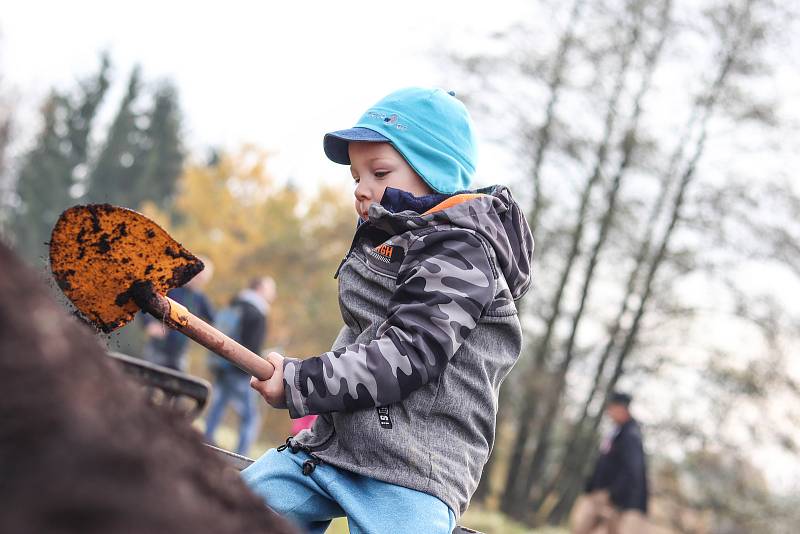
(233,386)
(371,506)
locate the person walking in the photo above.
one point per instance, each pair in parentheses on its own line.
(168,347)
(245,320)
(616,494)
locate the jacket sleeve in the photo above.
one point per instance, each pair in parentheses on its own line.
(444,285)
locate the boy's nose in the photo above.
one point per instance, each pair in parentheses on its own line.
(362,192)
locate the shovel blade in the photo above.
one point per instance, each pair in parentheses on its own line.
(98,251)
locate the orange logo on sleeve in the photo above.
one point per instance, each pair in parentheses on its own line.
(385,250)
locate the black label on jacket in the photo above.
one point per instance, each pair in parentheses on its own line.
(387,253)
(383,417)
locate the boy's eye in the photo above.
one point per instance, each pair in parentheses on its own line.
(355,179)
(381,174)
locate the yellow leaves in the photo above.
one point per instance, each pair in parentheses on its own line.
(237,215)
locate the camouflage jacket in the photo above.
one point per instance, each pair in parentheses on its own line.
(408,393)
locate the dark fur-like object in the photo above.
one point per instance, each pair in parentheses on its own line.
(81,449)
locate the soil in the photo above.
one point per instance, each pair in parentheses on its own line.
(83,451)
(182,253)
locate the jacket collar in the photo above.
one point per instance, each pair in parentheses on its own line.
(251,297)
(490,212)
(396,201)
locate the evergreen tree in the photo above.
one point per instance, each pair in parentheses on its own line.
(113,178)
(140,159)
(163,154)
(143,155)
(50,176)
(6,130)
(43,184)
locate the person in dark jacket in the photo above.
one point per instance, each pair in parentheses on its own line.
(168,347)
(616,493)
(250,309)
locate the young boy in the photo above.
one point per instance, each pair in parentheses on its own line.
(407,397)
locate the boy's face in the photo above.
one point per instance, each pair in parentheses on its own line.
(376,166)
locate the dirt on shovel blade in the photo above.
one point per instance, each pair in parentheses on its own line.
(98,251)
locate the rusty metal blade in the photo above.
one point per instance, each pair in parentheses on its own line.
(98,251)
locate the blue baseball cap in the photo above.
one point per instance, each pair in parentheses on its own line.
(430,128)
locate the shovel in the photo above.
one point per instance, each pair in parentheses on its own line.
(111,262)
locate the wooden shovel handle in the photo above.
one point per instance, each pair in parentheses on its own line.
(176,316)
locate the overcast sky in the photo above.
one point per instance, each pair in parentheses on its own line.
(277,74)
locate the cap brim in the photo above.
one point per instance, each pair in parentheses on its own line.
(335,143)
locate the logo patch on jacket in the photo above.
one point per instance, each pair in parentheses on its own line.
(383,417)
(387,253)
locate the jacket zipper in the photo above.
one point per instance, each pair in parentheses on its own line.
(357,235)
(352,246)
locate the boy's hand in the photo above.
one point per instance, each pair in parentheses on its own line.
(272,390)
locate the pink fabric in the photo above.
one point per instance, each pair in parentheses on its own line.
(302,423)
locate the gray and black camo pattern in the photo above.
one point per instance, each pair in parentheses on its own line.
(431,331)
(443,287)
(494,215)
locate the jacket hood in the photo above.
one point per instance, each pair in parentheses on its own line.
(491,212)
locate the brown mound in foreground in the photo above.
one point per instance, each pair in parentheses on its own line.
(81,450)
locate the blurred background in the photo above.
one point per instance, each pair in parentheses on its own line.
(653,143)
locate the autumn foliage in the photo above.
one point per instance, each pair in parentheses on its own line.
(237,215)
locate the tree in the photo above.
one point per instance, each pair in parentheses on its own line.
(142,157)
(6,130)
(163,153)
(139,161)
(50,171)
(116,169)
(619,223)
(515,498)
(741,33)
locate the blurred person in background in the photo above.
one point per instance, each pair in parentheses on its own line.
(245,320)
(616,494)
(168,347)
